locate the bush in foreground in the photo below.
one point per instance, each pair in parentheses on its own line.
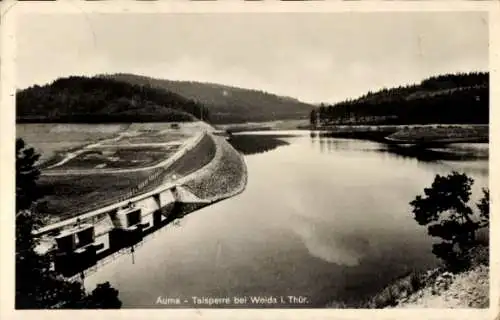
(445,209)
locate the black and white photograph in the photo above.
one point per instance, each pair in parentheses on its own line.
(251,160)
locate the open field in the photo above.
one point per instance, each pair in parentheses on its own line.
(49,140)
(55,142)
(118,158)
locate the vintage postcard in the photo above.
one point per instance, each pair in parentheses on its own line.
(249,159)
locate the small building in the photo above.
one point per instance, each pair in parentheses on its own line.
(76,249)
(128,227)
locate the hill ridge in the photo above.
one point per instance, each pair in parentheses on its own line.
(252,105)
(125,97)
(207,83)
(448,98)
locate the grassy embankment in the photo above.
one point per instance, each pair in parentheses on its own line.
(91,191)
(69,195)
(435,288)
(439,288)
(195,159)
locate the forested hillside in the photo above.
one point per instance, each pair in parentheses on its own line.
(451,98)
(228,104)
(100,100)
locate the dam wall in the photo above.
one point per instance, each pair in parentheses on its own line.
(124,224)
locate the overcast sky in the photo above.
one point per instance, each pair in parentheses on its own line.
(311,56)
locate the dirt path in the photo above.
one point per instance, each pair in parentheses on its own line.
(72,155)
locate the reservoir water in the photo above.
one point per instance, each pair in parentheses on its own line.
(323,218)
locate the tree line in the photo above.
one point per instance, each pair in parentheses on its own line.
(228,104)
(103,100)
(450,98)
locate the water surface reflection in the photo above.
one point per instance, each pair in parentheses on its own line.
(324,218)
(249,144)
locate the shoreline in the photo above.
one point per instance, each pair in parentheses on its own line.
(439,133)
(434,288)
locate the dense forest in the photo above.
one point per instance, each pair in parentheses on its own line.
(100,100)
(450,98)
(228,104)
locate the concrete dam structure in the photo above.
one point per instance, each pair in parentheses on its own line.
(80,242)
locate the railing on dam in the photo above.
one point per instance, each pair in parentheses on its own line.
(116,255)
